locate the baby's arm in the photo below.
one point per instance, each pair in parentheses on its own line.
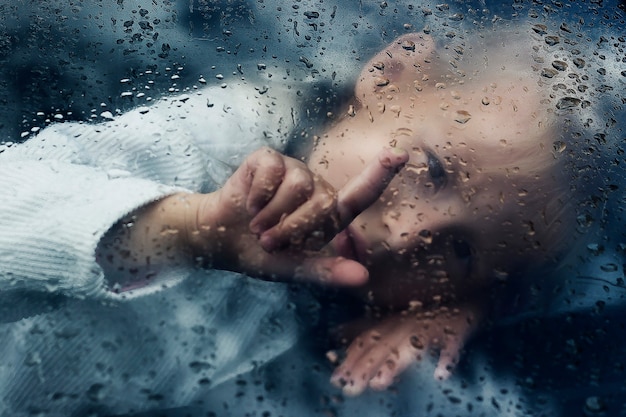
(381,353)
(269,220)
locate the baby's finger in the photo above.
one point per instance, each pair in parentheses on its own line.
(262,172)
(406,355)
(448,359)
(311,226)
(370,355)
(364,189)
(354,374)
(327,212)
(297,267)
(296,188)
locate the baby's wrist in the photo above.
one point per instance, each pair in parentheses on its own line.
(202,237)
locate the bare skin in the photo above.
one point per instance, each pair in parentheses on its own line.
(453,217)
(269,220)
(421,246)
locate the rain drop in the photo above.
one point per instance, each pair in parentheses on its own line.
(395,109)
(426,236)
(552,40)
(595,248)
(548,72)
(381,81)
(567,103)
(416,343)
(408,45)
(540,29)
(609,267)
(462,116)
(559,146)
(379,65)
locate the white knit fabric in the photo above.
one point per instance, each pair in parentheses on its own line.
(69,343)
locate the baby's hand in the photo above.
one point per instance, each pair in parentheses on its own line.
(377,356)
(273,216)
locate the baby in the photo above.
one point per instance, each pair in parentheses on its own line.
(437,187)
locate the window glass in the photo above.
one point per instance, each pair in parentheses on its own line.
(495,254)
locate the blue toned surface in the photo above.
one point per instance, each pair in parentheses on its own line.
(554,345)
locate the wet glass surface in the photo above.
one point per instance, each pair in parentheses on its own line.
(496,256)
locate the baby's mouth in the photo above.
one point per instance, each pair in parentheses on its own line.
(350,245)
(343,246)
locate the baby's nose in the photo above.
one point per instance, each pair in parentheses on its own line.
(406,229)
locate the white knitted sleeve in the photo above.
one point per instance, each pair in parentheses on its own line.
(63,189)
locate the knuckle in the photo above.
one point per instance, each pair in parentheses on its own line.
(300,180)
(325,201)
(268,156)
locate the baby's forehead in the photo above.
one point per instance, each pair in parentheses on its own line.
(501,116)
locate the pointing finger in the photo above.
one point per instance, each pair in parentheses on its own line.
(364,189)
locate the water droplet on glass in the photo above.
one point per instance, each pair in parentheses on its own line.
(584,220)
(594,406)
(567,103)
(351,111)
(416,343)
(595,248)
(540,29)
(426,236)
(379,65)
(332,357)
(559,146)
(408,45)
(381,81)
(548,72)
(552,40)
(559,65)
(579,62)
(609,267)
(462,116)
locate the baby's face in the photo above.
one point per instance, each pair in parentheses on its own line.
(455,211)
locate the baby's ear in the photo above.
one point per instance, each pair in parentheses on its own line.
(403,57)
